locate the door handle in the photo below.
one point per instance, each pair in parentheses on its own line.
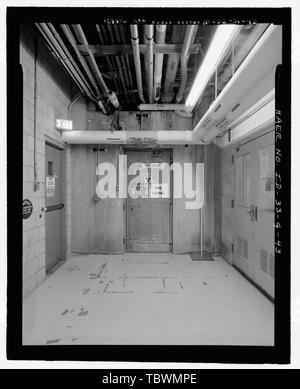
(54,207)
(251,212)
(255,214)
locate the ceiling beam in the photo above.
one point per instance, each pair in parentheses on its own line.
(103,50)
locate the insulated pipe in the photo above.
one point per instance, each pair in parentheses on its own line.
(128,137)
(149,42)
(159,39)
(246,86)
(137,59)
(78,28)
(70,37)
(110,65)
(161,107)
(71,68)
(188,41)
(171,70)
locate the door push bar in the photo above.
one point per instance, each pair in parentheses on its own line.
(54,207)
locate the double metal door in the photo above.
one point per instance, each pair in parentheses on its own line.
(254,211)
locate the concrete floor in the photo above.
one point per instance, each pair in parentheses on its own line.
(147,299)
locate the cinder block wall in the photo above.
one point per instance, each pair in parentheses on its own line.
(227,194)
(54,91)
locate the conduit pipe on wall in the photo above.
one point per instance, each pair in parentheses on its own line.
(137,59)
(184,58)
(253,80)
(149,42)
(160,39)
(128,137)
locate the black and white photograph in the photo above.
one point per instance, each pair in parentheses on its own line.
(154,178)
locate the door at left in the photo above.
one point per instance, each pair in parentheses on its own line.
(54,206)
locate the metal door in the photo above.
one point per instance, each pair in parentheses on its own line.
(107,213)
(53,206)
(254,211)
(148,215)
(264,267)
(244,210)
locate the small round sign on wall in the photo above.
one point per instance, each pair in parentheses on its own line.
(27,208)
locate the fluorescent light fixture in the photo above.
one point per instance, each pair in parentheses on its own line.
(221,41)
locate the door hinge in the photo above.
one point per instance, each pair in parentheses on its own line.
(232,203)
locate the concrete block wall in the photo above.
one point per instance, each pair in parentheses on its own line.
(227,194)
(54,91)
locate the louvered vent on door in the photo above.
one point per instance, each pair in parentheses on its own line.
(242,248)
(267,264)
(271,266)
(264,261)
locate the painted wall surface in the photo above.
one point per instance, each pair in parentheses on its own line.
(54,91)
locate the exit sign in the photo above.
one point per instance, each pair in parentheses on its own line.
(63,124)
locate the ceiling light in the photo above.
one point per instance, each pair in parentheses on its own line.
(221,41)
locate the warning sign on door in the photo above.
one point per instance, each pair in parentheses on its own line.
(50,186)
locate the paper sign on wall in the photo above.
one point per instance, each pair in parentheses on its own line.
(50,186)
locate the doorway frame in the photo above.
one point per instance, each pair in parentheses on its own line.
(147,148)
(63,217)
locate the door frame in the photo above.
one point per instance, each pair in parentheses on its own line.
(139,148)
(63,222)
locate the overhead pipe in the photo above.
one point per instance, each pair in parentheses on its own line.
(71,39)
(107,57)
(159,39)
(137,59)
(122,57)
(126,56)
(161,107)
(110,61)
(102,83)
(246,86)
(184,58)
(61,43)
(67,60)
(128,137)
(119,66)
(171,69)
(111,95)
(149,42)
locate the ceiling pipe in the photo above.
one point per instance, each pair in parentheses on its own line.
(118,63)
(252,80)
(137,59)
(71,39)
(110,65)
(171,69)
(67,61)
(161,107)
(128,137)
(184,58)
(149,42)
(160,40)
(78,29)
